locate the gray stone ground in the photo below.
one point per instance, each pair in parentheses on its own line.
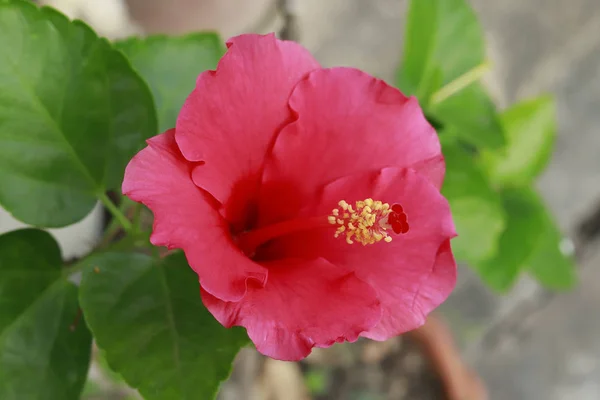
(530,344)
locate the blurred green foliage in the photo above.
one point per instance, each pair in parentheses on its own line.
(170,81)
(492,157)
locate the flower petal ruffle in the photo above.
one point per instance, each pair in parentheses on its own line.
(231,118)
(347,122)
(432,291)
(304,304)
(159,177)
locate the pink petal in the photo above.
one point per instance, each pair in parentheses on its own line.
(304,304)
(431,292)
(400,271)
(231,118)
(159,177)
(347,122)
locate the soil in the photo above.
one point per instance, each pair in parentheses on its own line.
(366,370)
(399,372)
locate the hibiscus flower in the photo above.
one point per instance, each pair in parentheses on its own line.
(307,200)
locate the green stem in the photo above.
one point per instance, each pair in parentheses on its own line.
(469,77)
(78,266)
(116,213)
(137,217)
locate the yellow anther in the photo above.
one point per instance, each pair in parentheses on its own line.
(364,223)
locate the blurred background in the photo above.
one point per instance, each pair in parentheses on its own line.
(529,344)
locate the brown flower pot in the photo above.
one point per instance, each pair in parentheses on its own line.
(437,343)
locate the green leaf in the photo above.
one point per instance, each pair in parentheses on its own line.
(524,226)
(530,242)
(72,113)
(472,114)
(548,264)
(44,344)
(443,45)
(171,65)
(530,129)
(147,316)
(476,208)
(443,40)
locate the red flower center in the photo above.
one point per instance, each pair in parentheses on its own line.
(367,222)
